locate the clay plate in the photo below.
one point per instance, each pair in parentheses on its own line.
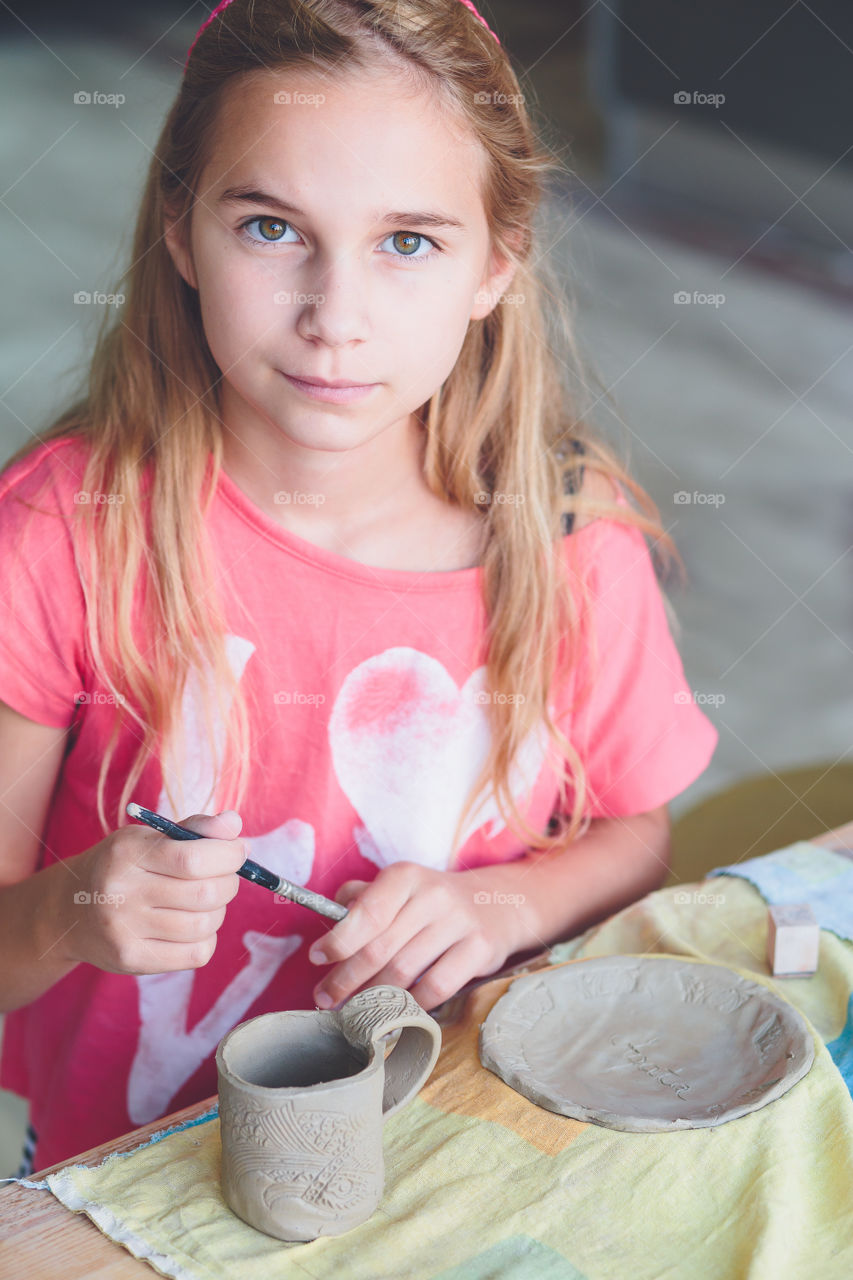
(646,1043)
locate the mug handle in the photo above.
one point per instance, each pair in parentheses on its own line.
(373,1013)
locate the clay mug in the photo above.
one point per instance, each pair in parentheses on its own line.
(302,1099)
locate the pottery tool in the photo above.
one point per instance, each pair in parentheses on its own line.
(249,870)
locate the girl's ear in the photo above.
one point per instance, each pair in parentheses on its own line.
(176,236)
(495,282)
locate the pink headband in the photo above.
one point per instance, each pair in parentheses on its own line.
(225,3)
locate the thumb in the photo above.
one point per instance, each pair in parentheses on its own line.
(215,826)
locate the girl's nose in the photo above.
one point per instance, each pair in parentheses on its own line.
(333,306)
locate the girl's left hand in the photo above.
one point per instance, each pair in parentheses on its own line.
(410,923)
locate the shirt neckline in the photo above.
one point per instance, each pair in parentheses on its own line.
(331,561)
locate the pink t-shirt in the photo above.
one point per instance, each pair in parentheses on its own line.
(368,726)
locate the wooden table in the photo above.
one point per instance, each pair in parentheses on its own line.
(41,1240)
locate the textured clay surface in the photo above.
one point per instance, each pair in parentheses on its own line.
(646,1043)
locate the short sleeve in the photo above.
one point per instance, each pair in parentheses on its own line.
(635,722)
(42,608)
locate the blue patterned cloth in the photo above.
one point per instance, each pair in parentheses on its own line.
(804,872)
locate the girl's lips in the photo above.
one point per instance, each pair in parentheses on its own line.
(333,395)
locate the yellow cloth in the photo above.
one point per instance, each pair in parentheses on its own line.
(482,1183)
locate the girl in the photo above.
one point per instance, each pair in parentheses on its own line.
(325,559)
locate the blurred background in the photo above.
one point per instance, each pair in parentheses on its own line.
(701,224)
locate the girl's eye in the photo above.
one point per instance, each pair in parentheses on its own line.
(407,243)
(272,229)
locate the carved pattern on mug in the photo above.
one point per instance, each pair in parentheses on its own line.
(319,1157)
(370,1014)
(337,1186)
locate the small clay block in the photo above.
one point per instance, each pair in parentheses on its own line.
(793,940)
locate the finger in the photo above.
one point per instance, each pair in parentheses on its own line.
(165,925)
(219,852)
(148,956)
(216,826)
(378,953)
(349,890)
(370,915)
(180,893)
(459,964)
(415,957)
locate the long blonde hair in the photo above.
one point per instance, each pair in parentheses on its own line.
(503,423)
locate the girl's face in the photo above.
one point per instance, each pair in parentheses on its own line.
(338,235)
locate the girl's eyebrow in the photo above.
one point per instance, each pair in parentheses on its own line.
(405,217)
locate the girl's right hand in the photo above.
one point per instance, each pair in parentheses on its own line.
(145,903)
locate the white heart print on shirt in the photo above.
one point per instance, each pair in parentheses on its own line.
(407,744)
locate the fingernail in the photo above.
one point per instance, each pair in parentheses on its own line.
(317,956)
(323,1000)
